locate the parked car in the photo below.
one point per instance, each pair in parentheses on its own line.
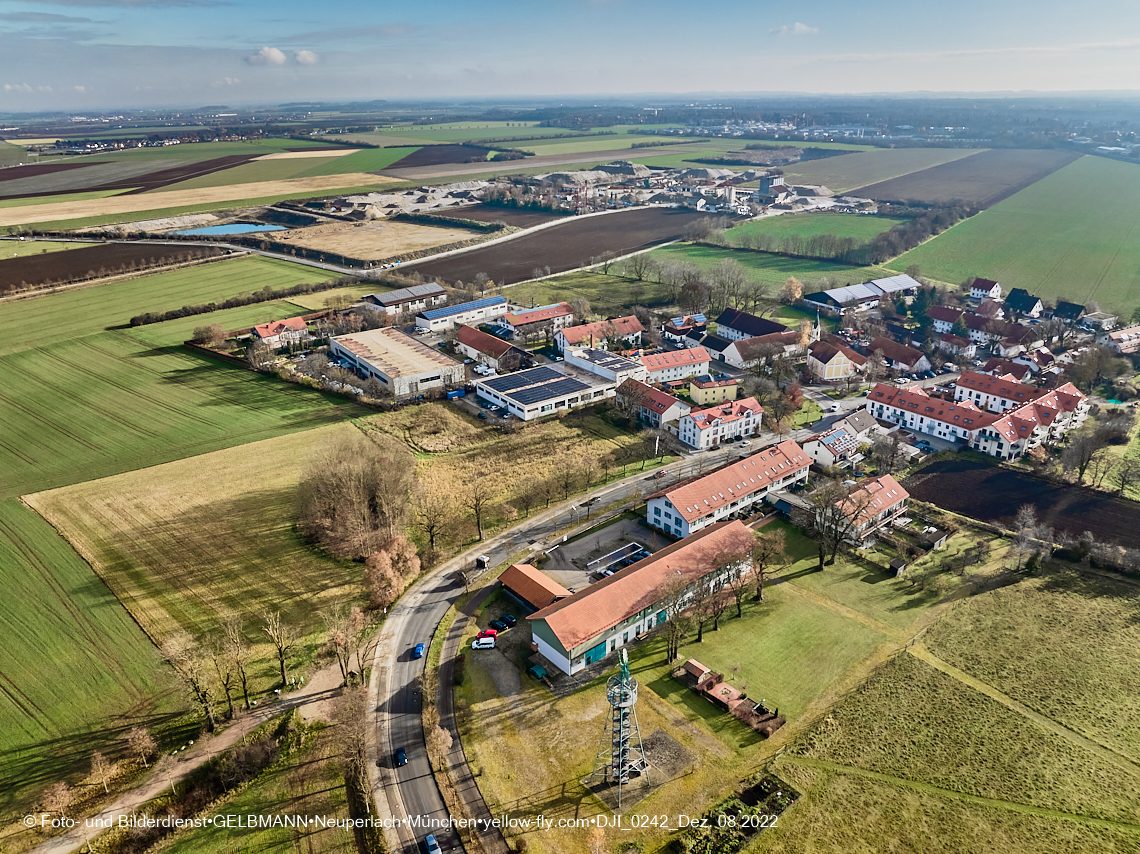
(745,444)
(483,415)
(509,619)
(489,633)
(483,643)
(401,756)
(833,408)
(418,652)
(496,627)
(661,473)
(902,381)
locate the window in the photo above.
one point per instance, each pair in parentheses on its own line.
(657,511)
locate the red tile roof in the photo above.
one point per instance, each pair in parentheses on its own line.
(872,497)
(537,315)
(534,586)
(479,340)
(675,358)
(698,498)
(725,413)
(647,396)
(1005,387)
(601,606)
(597,332)
(915,400)
(276,327)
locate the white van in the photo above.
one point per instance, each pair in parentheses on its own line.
(483,643)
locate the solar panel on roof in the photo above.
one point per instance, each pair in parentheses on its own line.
(436,313)
(522,378)
(528,396)
(700,318)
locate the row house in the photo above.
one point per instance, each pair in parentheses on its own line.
(676,364)
(873,505)
(696,504)
(542,320)
(624,330)
(651,405)
(728,421)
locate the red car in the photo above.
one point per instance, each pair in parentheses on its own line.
(488,633)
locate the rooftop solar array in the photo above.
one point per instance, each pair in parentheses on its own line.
(512,381)
(436,313)
(547,391)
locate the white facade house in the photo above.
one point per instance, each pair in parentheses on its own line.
(676,364)
(408,300)
(610,366)
(278,333)
(985,289)
(651,405)
(467,313)
(734,488)
(735,325)
(724,422)
(597,336)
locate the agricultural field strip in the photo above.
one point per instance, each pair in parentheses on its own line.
(844,610)
(919,651)
(1015,806)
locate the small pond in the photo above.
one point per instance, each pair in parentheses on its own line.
(234,228)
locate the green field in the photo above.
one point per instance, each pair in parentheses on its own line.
(172,332)
(11,155)
(59,317)
(857,226)
(63,197)
(75,669)
(843,174)
(1073,235)
(771,269)
(23,248)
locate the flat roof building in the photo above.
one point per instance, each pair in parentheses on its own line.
(608,366)
(542,391)
(403,364)
(477,311)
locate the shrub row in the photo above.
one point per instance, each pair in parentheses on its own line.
(266,294)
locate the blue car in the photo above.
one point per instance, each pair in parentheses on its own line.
(418,652)
(431,846)
(401,756)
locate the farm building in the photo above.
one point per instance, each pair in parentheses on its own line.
(706,391)
(678,327)
(862,296)
(582,629)
(403,364)
(676,364)
(532,589)
(985,289)
(477,311)
(543,321)
(750,351)
(832,362)
(279,333)
(408,300)
(725,422)
(737,487)
(542,391)
(649,404)
(734,325)
(489,350)
(625,330)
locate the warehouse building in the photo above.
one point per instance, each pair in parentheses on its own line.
(478,311)
(543,391)
(404,365)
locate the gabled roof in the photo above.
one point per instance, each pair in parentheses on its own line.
(824,352)
(537,315)
(479,340)
(647,396)
(697,498)
(872,497)
(403,295)
(725,413)
(596,332)
(750,347)
(858,422)
(914,400)
(675,358)
(714,343)
(1068,311)
(601,606)
(448,311)
(1005,387)
(895,351)
(983,284)
(534,586)
(1020,300)
(1002,367)
(837,440)
(276,327)
(748,324)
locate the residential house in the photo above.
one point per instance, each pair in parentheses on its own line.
(956,345)
(985,289)
(281,333)
(725,422)
(651,405)
(625,330)
(584,628)
(1005,367)
(538,322)
(676,364)
(860,424)
(738,487)
(1123,341)
(985,331)
(872,505)
(990,309)
(677,328)
(408,300)
(531,588)
(490,350)
(734,325)
(899,356)
(833,361)
(1068,312)
(1021,303)
(994,394)
(747,353)
(706,391)
(834,447)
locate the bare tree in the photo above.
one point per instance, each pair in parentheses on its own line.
(1078,454)
(831,520)
(1126,475)
(887,452)
(476,498)
(103,770)
(224,669)
(581,307)
(566,478)
(57,798)
(433,508)
(350,718)
(639,265)
(767,550)
(188,661)
(283,637)
(701,596)
(604,261)
(341,637)
(674,602)
(1100,465)
(142,744)
(717,605)
(239,651)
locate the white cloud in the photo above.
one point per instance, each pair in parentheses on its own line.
(796,29)
(79,88)
(17,87)
(267,56)
(226,81)
(305,57)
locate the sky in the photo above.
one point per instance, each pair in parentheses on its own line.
(78,55)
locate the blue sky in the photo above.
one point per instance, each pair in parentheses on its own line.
(99,54)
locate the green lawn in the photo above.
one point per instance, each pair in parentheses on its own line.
(23,248)
(76,670)
(1073,235)
(860,169)
(605,293)
(59,317)
(65,197)
(172,332)
(773,269)
(858,226)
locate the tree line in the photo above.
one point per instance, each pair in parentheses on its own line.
(266,294)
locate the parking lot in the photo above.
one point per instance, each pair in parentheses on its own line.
(570,564)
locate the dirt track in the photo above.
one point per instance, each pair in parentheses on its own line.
(203,196)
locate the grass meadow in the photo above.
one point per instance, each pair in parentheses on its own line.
(62,197)
(858,169)
(857,226)
(1073,235)
(54,318)
(171,333)
(12,155)
(22,249)
(76,671)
